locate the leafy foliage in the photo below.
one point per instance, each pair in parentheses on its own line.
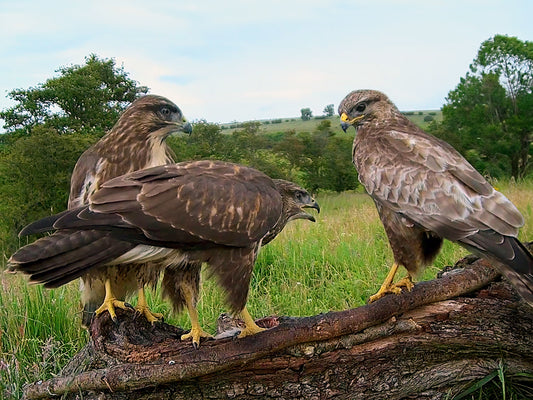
(35,177)
(319,160)
(84,99)
(307,114)
(489,115)
(329,110)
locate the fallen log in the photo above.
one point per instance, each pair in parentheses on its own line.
(429,343)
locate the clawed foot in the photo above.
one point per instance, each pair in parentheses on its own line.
(395,288)
(152,317)
(110,305)
(251,330)
(196,334)
(250,327)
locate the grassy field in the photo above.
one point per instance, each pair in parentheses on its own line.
(298,125)
(333,264)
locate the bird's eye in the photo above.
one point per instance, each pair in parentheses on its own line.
(165,111)
(360,107)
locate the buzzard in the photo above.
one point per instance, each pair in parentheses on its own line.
(183,214)
(135,142)
(425,191)
(181,283)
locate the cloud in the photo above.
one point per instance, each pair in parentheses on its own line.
(242,60)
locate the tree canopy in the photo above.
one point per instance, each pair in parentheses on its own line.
(489,115)
(83,98)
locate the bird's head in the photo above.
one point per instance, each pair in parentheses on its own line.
(363,105)
(154,116)
(295,200)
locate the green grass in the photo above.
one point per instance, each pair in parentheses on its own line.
(499,385)
(298,125)
(333,264)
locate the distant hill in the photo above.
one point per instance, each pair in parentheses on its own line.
(297,124)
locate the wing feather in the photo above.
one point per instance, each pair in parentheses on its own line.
(215,201)
(432,184)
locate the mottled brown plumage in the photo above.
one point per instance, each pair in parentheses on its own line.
(425,191)
(135,142)
(181,282)
(187,213)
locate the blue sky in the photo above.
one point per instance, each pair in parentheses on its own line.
(243,60)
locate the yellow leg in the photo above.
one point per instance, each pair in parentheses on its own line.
(142,307)
(389,287)
(111,302)
(196,330)
(251,327)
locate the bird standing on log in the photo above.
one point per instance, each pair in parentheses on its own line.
(425,191)
(136,141)
(197,212)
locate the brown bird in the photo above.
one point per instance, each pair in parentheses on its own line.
(425,191)
(186,213)
(135,142)
(181,282)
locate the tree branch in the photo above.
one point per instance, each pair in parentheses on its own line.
(135,358)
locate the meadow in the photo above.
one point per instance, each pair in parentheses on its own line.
(299,125)
(333,264)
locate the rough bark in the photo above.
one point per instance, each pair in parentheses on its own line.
(426,344)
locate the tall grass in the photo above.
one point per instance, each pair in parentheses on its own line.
(333,264)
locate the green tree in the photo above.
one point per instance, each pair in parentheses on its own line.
(35,177)
(83,98)
(320,160)
(329,110)
(307,114)
(205,141)
(489,115)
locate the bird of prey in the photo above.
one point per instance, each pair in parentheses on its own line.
(181,283)
(191,212)
(135,142)
(425,191)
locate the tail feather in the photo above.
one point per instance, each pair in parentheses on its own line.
(64,256)
(43,225)
(513,259)
(523,283)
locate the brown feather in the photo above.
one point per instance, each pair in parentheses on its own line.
(421,185)
(146,232)
(136,141)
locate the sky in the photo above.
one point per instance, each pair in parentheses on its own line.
(232,60)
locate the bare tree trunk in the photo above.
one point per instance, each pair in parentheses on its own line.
(428,344)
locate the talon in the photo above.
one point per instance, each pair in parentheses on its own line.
(251,327)
(395,288)
(250,330)
(152,317)
(406,282)
(110,303)
(196,333)
(143,309)
(129,306)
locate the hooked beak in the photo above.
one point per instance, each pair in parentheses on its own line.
(344,126)
(305,215)
(179,126)
(347,122)
(186,127)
